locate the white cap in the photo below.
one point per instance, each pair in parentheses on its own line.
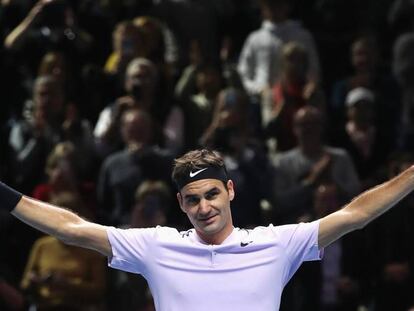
(359,94)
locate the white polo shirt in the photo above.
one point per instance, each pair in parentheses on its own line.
(246,272)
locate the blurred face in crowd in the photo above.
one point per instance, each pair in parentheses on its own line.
(128,41)
(207,205)
(364,56)
(149,212)
(308,126)
(231,108)
(140,79)
(136,127)
(362,113)
(208,81)
(48,97)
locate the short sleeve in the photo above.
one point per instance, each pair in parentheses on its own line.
(300,242)
(131,248)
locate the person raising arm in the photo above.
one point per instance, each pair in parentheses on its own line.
(365,208)
(58,222)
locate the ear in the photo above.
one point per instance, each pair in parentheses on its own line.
(230,189)
(180,201)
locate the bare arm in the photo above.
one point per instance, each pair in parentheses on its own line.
(365,207)
(63,224)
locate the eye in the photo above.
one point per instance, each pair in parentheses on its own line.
(211,195)
(192,201)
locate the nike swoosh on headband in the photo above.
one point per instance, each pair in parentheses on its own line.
(197,172)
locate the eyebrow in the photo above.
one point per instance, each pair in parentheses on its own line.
(189,196)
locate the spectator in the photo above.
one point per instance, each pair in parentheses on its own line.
(299,171)
(125,170)
(368,143)
(32,138)
(197,91)
(231,133)
(403,65)
(63,277)
(291,92)
(367,73)
(143,92)
(394,257)
(130,291)
(50,24)
(63,170)
(259,60)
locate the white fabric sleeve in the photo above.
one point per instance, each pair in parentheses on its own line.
(131,248)
(300,242)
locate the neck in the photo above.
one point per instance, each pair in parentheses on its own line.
(217,238)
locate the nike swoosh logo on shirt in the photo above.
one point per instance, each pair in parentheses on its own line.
(244,244)
(197,172)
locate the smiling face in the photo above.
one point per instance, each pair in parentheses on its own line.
(207,205)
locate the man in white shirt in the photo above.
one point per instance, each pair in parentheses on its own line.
(259,63)
(213,266)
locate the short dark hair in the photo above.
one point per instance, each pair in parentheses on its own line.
(195,160)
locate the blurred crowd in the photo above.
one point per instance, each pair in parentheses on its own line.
(309,102)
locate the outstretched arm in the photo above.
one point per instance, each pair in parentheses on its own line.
(58,222)
(365,207)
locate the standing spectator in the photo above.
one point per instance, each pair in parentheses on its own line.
(259,60)
(197,92)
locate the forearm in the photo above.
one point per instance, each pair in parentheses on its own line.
(17,35)
(376,201)
(47,218)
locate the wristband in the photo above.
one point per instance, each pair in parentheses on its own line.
(9,197)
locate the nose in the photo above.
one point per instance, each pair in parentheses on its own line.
(204,207)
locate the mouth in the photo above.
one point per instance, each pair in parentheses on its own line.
(208,220)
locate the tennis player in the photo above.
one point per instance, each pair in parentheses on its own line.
(213,266)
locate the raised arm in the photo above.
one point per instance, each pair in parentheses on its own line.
(365,207)
(58,222)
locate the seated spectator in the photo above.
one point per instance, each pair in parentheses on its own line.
(292,91)
(367,73)
(32,138)
(127,44)
(341,280)
(151,205)
(298,172)
(230,132)
(142,91)
(403,65)
(394,256)
(64,277)
(368,143)
(63,169)
(123,171)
